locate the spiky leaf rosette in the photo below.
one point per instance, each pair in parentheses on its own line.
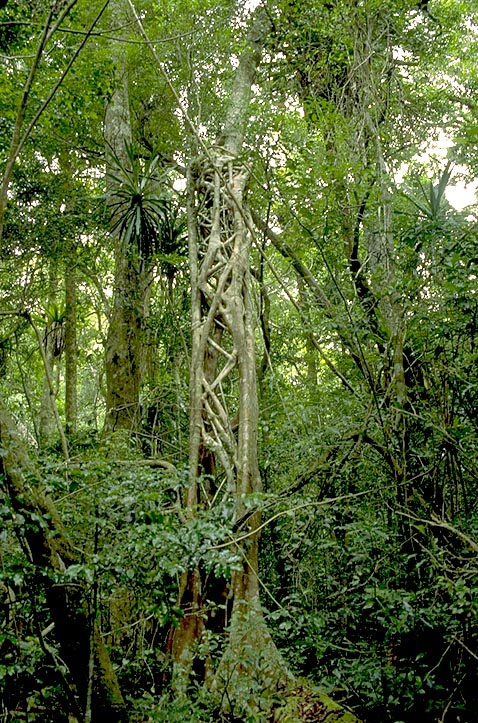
(137,210)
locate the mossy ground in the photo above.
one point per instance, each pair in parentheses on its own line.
(305,703)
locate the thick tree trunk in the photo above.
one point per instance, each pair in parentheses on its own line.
(48,549)
(124,344)
(223,392)
(124,348)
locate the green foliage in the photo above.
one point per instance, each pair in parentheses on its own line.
(30,669)
(368,566)
(379,625)
(432,200)
(137,211)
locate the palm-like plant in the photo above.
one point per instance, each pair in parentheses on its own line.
(137,210)
(433,201)
(173,241)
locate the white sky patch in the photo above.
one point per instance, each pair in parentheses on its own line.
(179,185)
(437,150)
(462,194)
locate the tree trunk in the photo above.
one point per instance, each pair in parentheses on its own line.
(223,433)
(71,349)
(124,343)
(52,348)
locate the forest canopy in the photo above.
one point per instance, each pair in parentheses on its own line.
(239,361)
